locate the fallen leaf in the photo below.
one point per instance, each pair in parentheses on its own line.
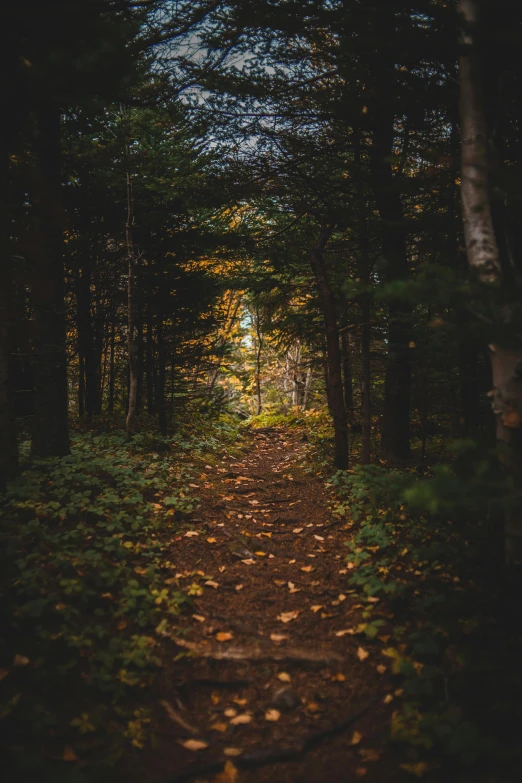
(284,677)
(238,587)
(290,562)
(339,678)
(272,715)
(419,769)
(211,540)
(345,631)
(232,752)
(249,561)
(388,698)
(297,530)
(318,538)
(194,744)
(229,774)
(313,707)
(240,719)
(369,754)
(69,754)
(221,569)
(3,673)
(224,636)
(190,533)
(361,772)
(210,583)
(241,702)
(222,727)
(381,669)
(316,607)
(306,568)
(230,712)
(199,618)
(278,637)
(287,617)
(372,599)
(356,738)
(341,597)
(20,660)
(260,554)
(362,654)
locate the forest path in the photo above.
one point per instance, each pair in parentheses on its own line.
(268,670)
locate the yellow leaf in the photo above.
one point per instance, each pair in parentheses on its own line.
(388,698)
(241,719)
(272,715)
(284,677)
(210,583)
(356,738)
(199,618)
(229,774)
(316,607)
(297,530)
(306,568)
(191,533)
(362,654)
(278,637)
(339,678)
(69,754)
(222,727)
(232,752)
(419,769)
(211,540)
(230,712)
(260,554)
(194,744)
(20,660)
(224,636)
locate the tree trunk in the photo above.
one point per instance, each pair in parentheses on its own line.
(259,348)
(8,443)
(395,438)
(365,302)
(50,435)
(485,264)
(347,376)
(132,347)
(333,352)
(307,388)
(112,367)
(161,376)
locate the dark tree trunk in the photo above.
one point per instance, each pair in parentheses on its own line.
(50,436)
(395,438)
(81,385)
(347,376)
(87,335)
(8,443)
(333,353)
(132,346)
(161,376)
(149,360)
(112,367)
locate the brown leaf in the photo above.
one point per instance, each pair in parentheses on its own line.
(272,715)
(307,569)
(284,677)
(297,530)
(362,654)
(316,608)
(210,583)
(20,660)
(287,617)
(230,712)
(369,754)
(232,752)
(361,772)
(249,561)
(211,540)
(199,618)
(224,636)
(194,744)
(278,637)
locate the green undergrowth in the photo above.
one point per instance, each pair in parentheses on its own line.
(87,588)
(426,556)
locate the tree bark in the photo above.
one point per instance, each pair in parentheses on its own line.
(50,435)
(485,264)
(347,376)
(333,352)
(259,348)
(8,442)
(132,347)
(395,438)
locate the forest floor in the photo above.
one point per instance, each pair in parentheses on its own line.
(274,669)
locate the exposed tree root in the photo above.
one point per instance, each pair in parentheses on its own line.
(260,654)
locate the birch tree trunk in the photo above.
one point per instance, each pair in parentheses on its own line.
(485,265)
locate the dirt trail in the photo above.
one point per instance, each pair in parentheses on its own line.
(269,672)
